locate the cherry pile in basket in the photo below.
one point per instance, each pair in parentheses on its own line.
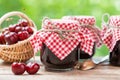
(19,68)
(15,33)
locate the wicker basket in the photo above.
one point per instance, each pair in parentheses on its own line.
(22,50)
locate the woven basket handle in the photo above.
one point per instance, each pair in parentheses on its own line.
(16,13)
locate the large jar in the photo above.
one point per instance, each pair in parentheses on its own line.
(58,41)
(53,63)
(111,37)
(91,35)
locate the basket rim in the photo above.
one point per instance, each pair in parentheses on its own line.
(16,13)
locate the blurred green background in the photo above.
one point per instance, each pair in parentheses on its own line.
(37,9)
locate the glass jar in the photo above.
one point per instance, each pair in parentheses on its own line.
(84,55)
(111,32)
(67,47)
(52,63)
(91,35)
(115,55)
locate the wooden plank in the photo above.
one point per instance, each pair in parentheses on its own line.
(101,72)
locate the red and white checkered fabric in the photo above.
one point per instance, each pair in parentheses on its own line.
(111,32)
(60,47)
(90,34)
(63,47)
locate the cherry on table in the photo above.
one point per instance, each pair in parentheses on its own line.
(18,68)
(32,68)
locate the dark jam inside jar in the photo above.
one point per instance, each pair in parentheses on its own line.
(115,55)
(84,55)
(52,63)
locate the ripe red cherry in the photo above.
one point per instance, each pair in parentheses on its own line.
(23,24)
(32,68)
(29,30)
(11,38)
(18,68)
(5,30)
(12,28)
(18,28)
(23,35)
(2,40)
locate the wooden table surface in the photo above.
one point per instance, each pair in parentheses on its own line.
(101,72)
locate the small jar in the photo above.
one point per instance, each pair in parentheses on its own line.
(111,31)
(91,35)
(115,55)
(59,42)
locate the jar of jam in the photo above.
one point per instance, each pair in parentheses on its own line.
(59,42)
(91,35)
(115,55)
(111,32)
(52,63)
(85,55)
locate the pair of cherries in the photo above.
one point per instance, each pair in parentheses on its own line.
(19,68)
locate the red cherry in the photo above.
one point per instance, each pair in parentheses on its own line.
(23,24)
(23,29)
(5,29)
(6,32)
(18,28)
(32,68)
(29,30)
(11,38)
(2,40)
(12,28)
(23,35)
(18,68)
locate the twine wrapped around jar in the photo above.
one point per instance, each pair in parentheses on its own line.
(63,33)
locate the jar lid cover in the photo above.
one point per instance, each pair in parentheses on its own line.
(89,20)
(60,24)
(115,21)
